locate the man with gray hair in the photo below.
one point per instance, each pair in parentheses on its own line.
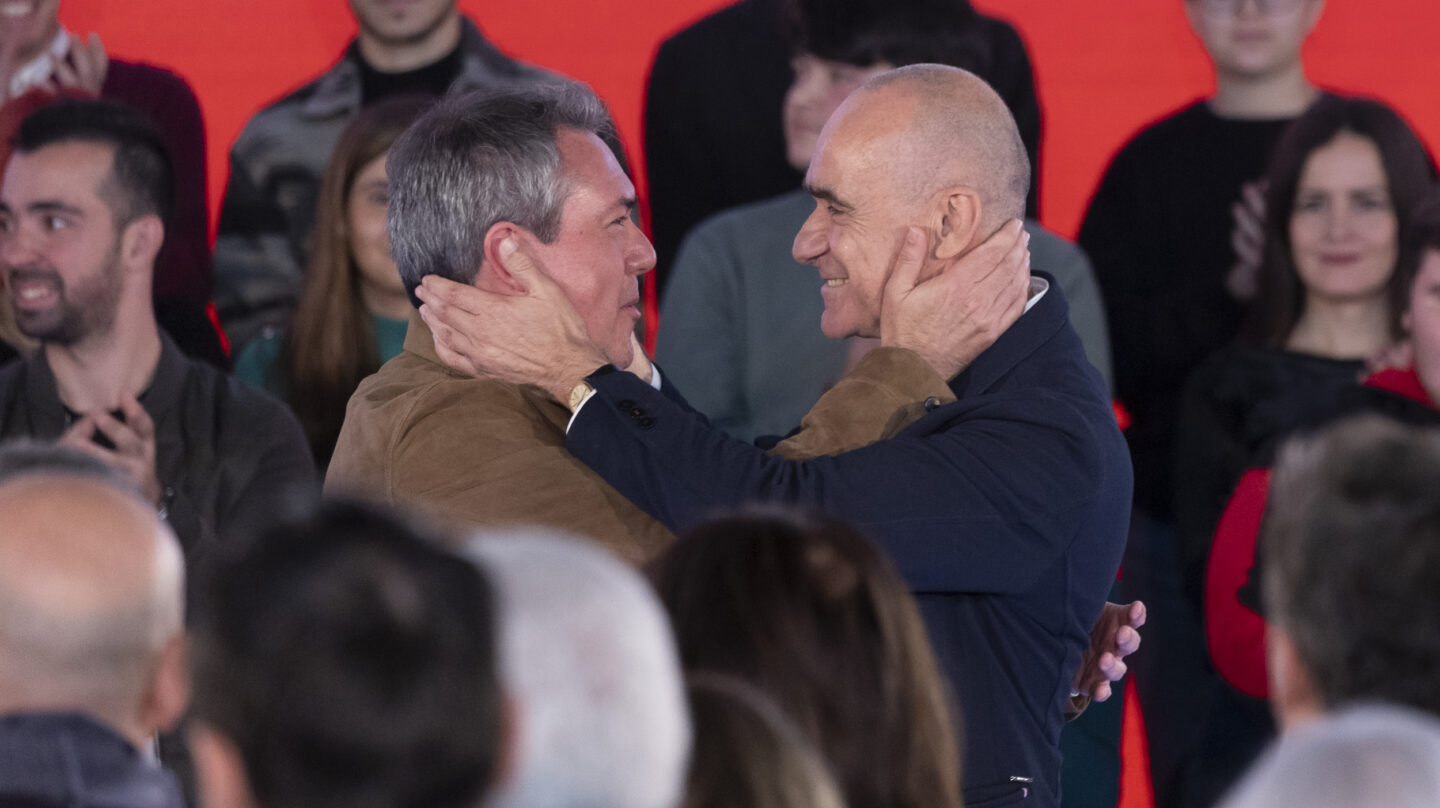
(1351,569)
(91,620)
(477,171)
(588,661)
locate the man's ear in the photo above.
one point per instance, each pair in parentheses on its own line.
(493,275)
(169,692)
(141,240)
(219,768)
(1293,697)
(955,221)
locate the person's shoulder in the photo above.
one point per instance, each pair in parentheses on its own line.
(282,114)
(1161,136)
(722,25)
(784,213)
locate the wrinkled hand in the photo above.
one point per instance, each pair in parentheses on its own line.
(1114,637)
(134,440)
(1248,241)
(951,318)
(1399,355)
(531,338)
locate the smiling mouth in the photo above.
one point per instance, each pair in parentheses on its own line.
(836,281)
(16,9)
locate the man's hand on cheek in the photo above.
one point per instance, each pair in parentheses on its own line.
(952,316)
(531,338)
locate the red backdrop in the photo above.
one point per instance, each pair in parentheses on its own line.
(1104,69)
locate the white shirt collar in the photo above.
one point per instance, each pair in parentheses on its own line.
(39,70)
(1038,287)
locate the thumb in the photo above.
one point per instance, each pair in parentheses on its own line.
(906,270)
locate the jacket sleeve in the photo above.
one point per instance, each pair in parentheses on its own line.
(1235,633)
(985,504)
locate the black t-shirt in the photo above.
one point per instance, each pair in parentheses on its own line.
(1158,234)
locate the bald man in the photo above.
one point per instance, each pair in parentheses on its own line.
(1000,485)
(91,657)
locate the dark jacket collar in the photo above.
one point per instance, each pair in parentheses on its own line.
(67,759)
(1022,339)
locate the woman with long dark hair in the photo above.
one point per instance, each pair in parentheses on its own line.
(1342,183)
(354,309)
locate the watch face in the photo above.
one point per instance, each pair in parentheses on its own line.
(578,394)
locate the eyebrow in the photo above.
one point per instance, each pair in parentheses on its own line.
(829,196)
(47,206)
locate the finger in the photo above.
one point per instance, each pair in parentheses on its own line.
(125,440)
(445,297)
(1254,195)
(1127,641)
(1101,693)
(65,75)
(1137,613)
(137,418)
(526,269)
(80,434)
(905,271)
(445,339)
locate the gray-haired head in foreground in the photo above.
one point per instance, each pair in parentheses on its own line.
(587,656)
(23,457)
(477,159)
(1351,544)
(1366,755)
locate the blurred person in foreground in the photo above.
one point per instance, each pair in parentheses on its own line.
(92,662)
(587,659)
(342,657)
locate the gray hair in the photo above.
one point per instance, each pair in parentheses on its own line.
(477,159)
(1351,548)
(587,653)
(1365,755)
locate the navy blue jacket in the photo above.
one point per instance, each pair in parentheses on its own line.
(68,760)
(1005,511)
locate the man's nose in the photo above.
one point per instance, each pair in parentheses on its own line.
(810,241)
(640,255)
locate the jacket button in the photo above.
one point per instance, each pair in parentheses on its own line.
(931,403)
(646,422)
(624,403)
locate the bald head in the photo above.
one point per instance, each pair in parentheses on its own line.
(933,127)
(90,595)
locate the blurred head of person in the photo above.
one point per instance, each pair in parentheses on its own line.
(805,609)
(1351,540)
(91,595)
(1342,185)
(343,658)
(587,658)
(1250,40)
(1370,754)
(836,46)
(1422,280)
(748,754)
(351,278)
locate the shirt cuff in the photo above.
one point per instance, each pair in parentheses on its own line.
(654,382)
